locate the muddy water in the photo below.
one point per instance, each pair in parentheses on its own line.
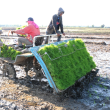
(97,93)
(96,41)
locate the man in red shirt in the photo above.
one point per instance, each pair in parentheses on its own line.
(31,30)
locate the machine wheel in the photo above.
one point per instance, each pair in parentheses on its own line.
(9,71)
(38,70)
(33,69)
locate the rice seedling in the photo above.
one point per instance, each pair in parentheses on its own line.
(67,62)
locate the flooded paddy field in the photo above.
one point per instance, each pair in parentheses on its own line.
(22,94)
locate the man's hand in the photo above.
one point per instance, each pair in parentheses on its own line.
(12,32)
(58,34)
(64,34)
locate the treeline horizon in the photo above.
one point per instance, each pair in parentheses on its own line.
(102,26)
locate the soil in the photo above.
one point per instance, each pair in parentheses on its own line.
(22,94)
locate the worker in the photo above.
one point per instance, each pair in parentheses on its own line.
(31,30)
(55,24)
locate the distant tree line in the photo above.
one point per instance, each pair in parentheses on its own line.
(102,26)
(10,25)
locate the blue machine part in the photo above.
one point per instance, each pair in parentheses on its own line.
(38,57)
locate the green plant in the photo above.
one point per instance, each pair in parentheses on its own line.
(95,92)
(67,62)
(95,83)
(94,102)
(9,52)
(89,95)
(100,85)
(98,97)
(18,28)
(103,104)
(23,26)
(105,87)
(24,46)
(98,78)
(107,98)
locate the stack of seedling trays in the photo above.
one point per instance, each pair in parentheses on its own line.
(9,52)
(64,63)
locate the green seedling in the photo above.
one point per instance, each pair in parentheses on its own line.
(95,92)
(107,98)
(94,102)
(103,104)
(105,87)
(24,46)
(98,97)
(9,52)
(99,79)
(67,62)
(100,85)
(89,95)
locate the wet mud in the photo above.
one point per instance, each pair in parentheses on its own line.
(30,94)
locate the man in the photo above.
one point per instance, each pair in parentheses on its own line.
(55,24)
(31,30)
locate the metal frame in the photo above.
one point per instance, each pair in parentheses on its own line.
(38,57)
(53,35)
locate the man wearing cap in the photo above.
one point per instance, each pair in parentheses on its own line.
(55,24)
(32,30)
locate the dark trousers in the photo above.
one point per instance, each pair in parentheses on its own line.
(58,39)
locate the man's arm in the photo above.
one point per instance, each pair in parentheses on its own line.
(54,20)
(26,30)
(61,25)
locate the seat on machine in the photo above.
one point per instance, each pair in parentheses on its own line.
(39,41)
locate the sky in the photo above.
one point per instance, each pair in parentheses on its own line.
(77,12)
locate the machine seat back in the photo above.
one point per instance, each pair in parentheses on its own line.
(39,41)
